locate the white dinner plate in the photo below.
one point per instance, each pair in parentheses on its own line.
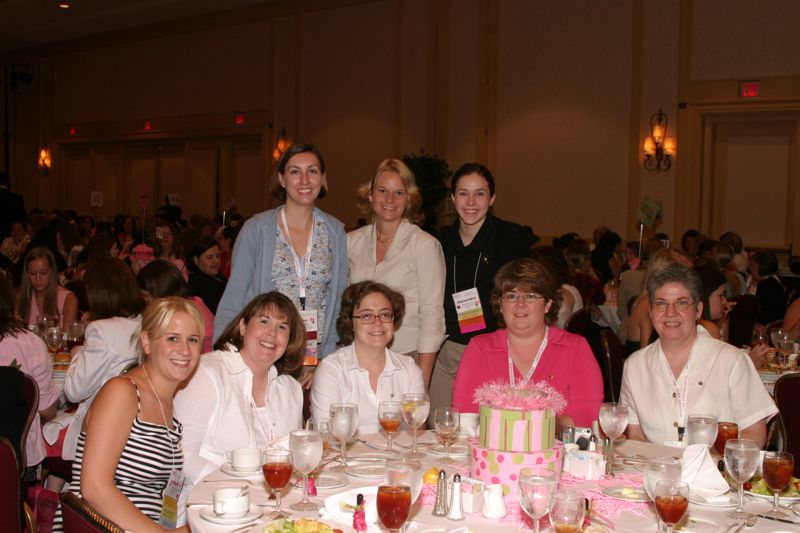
(377,456)
(455,449)
(259,528)
(370,470)
(207,513)
(696,524)
(781,499)
(228,469)
(796,509)
(326,480)
(730,501)
(769,377)
(630,494)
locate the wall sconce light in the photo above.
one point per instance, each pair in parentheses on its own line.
(44,160)
(658,148)
(281,145)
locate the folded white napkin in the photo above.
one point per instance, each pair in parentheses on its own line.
(54,426)
(701,473)
(334,510)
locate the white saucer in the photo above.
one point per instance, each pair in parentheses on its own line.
(729,502)
(207,513)
(228,469)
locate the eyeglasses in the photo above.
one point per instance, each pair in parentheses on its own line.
(660,306)
(527,297)
(369,318)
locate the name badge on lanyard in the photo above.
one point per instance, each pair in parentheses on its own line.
(468,304)
(310,318)
(169,504)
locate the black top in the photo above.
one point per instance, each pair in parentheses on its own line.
(496,243)
(773,300)
(208,288)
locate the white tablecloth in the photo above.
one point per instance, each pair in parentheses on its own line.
(421,520)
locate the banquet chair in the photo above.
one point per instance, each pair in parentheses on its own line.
(613,364)
(19,395)
(13,511)
(80,517)
(742,319)
(578,321)
(787,398)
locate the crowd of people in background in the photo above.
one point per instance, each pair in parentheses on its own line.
(288,300)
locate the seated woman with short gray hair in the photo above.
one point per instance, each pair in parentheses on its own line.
(686,371)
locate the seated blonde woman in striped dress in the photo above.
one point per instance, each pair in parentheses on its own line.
(130,444)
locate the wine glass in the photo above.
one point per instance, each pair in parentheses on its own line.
(672,500)
(566,515)
(48,321)
(701,429)
(404,472)
(416,406)
(277,469)
(741,462)
(536,490)
(778,468)
(394,505)
(390,415)
(54,338)
(446,421)
(613,420)
(75,331)
(306,448)
(344,423)
(323,427)
(776,335)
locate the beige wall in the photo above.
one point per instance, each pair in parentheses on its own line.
(555,98)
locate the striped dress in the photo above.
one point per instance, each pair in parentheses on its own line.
(151,453)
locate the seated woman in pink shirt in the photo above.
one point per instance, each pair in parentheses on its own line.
(525,301)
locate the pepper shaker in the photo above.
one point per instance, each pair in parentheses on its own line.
(456,512)
(440,506)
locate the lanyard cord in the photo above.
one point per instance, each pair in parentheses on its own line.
(474,278)
(300,269)
(680,393)
(163,414)
(527,377)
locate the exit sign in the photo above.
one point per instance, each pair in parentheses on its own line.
(749,89)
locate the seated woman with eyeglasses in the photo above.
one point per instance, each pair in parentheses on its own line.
(686,371)
(365,371)
(525,300)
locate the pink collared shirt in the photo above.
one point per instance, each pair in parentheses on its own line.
(567,364)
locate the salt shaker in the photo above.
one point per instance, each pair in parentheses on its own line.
(456,512)
(440,506)
(609,459)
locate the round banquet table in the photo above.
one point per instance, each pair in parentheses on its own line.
(641,520)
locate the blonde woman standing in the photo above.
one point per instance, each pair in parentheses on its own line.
(394,251)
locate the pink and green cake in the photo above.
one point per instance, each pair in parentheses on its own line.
(517,430)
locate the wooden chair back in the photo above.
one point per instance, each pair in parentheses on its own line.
(578,321)
(787,398)
(10,488)
(80,517)
(613,364)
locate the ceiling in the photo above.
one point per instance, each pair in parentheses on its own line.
(28,24)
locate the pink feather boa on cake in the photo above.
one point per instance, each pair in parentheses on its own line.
(523,397)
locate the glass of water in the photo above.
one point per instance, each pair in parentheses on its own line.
(537,489)
(741,461)
(344,423)
(306,449)
(701,429)
(404,472)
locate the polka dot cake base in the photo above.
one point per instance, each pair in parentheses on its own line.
(497,466)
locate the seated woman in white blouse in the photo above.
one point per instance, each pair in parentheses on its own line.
(244,394)
(365,372)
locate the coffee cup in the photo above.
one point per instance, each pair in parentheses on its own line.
(468,424)
(245,459)
(231,502)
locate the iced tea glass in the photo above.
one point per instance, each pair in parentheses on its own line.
(778,468)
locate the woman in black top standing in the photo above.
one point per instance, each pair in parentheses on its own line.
(475,246)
